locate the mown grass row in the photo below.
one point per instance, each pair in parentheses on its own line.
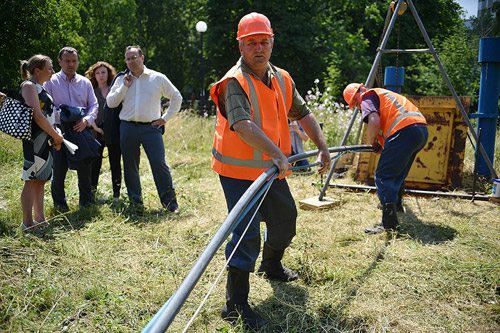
(110,267)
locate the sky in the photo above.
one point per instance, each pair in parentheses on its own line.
(470,6)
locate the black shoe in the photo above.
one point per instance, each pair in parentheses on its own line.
(249,318)
(375,230)
(380,228)
(278,273)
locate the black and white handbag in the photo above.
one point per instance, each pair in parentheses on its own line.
(15,118)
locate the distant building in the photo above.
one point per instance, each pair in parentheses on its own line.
(485,4)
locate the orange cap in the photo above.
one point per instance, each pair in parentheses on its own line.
(254,24)
(350,91)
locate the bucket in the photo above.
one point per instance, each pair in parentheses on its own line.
(495,191)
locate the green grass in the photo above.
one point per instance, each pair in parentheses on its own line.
(110,267)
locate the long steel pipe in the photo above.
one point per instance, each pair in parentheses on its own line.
(415,192)
(162,320)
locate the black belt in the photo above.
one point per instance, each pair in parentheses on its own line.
(138,122)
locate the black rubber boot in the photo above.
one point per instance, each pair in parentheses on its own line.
(389,220)
(271,267)
(399,204)
(390,216)
(237,289)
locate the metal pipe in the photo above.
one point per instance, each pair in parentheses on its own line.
(394,78)
(474,174)
(407,51)
(489,58)
(167,313)
(416,192)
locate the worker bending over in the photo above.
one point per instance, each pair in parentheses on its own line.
(398,131)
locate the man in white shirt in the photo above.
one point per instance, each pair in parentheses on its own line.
(140,91)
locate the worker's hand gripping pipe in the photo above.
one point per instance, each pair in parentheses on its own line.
(164,317)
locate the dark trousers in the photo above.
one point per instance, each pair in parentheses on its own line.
(277,210)
(95,168)
(132,135)
(114,155)
(59,171)
(396,160)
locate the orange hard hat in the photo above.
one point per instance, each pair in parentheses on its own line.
(350,91)
(254,24)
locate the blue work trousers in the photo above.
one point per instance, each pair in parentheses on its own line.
(132,135)
(277,210)
(396,160)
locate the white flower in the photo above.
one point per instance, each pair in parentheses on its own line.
(316,81)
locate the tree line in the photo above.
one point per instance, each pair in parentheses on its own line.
(334,41)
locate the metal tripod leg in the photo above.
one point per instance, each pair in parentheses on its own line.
(368,84)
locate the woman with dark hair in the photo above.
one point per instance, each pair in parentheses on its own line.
(37,166)
(101,75)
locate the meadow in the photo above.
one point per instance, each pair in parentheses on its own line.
(110,267)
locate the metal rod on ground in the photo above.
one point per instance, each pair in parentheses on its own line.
(416,192)
(368,84)
(476,157)
(450,86)
(168,312)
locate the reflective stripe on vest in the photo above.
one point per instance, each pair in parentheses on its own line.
(404,113)
(257,164)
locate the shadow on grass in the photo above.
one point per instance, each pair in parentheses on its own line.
(414,228)
(77,218)
(140,215)
(287,310)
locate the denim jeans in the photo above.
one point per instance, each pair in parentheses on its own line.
(277,210)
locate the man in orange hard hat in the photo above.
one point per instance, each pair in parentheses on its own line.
(255,100)
(398,131)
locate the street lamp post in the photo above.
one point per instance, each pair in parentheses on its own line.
(201,27)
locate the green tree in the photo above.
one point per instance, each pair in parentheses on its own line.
(298,36)
(458,54)
(107,28)
(34,26)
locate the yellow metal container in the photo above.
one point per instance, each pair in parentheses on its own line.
(439,164)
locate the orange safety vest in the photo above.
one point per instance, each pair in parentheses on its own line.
(231,156)
(396,112)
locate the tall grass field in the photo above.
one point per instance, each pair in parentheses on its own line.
(111,267)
